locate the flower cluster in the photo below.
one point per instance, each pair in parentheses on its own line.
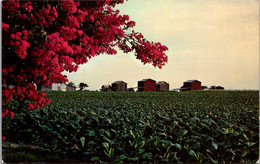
(72,21)
(30,93)
(68,33)
(27,6)
(47,16)
(70,6)
(3,138)
(81,17)
(7,94)
(149,52)
(5,26)
(19,42)
(7,113)
(46,64)
(12,6)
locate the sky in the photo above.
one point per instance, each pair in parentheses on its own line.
(215,42)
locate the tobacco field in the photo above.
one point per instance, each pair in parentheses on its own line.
(135,127)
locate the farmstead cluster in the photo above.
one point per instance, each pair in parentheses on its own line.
(148,85)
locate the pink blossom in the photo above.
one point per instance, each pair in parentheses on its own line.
(17,43)
(126,17)
(130,24)
(97,23)
(80,32)
(30,106)
(24,32)
(91,18)
(92,52)
(81,17)
(29,8)
(3,138)
(11,114)
(72,21)
(54,11)
(100,28)
(12,36)
(70,6)
(5,26)
(24,16)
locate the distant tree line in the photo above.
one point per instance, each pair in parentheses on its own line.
(213,87)
(81,85)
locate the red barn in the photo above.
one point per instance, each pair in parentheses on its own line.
(147,85)
(191,85)
(119,86)
(162,86)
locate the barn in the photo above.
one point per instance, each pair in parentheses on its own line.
(147,85)
(70,88)
(162,86)
(191,85)
(59,87)
(48,88)
(119,86)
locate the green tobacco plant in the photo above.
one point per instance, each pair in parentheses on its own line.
(199,127)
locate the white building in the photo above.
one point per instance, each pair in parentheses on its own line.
(58,87)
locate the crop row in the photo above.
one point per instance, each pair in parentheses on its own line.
(144,127)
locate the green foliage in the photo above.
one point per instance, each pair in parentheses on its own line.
(209,127)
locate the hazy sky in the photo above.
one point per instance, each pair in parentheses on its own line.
(216,42)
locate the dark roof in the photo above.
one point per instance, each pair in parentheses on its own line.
(70,86)
(160,82)
(146,80)
(117,82)
(190,81)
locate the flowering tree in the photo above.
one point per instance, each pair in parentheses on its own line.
(41,39)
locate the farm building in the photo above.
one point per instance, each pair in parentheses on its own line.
(58,87)
(162,86)
(119,86)
(48,88)
(70,88)
(106,88)
(191,85)
(147,85)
